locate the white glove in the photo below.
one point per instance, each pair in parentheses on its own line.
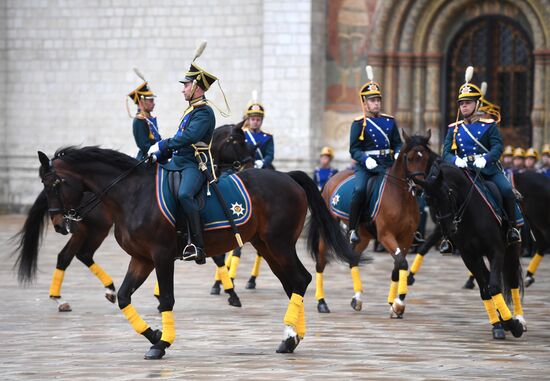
(480,162)
(370,163)
(154,148)
(258,164)
(460,162)
(396,155)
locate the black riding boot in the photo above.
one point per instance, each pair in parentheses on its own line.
(354,214)
(512,235)
(195,251)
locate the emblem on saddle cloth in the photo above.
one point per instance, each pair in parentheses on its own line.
(340,199)
(233,190)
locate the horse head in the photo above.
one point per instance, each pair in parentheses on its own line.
(233,151)
(64,194)
(417,156)
(442,198)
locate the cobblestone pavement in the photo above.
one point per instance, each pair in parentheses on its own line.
(444,335)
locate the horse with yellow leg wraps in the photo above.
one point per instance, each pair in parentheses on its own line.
(394,224)
(280,202)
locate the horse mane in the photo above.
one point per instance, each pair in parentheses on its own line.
(76,155)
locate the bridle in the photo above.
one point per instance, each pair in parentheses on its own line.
(238,164)
(77,214)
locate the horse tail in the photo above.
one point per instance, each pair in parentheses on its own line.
(512,272)
(29,238)
(322,225)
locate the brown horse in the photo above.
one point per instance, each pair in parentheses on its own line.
(394,225)
(279,201)
(229,150)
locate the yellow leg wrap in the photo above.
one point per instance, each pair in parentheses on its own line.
(534,264)
(402,288)
(393,292)
(502,307)
(491,311)
(217,275)
(256,269)
(57,279)
(417,263)
(168,327)
(135,320)
(224,277)
(319,288)
(301,326)
(156,291)
(356,278)
(293,311)
(234,266)
(516,298)
(228,259)
(101,274)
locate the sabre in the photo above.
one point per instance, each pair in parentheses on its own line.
(212,182)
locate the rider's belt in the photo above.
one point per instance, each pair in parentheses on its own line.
(379,152)
(472,157)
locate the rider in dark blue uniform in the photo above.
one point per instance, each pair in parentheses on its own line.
(475,142)
(194,132)
(324,171)
(374,145)
(145,127)
(260,141)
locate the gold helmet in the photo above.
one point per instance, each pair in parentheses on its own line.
(508,151)
(328,151)
(254,107)
(532,152)
(469,91)
(519,152)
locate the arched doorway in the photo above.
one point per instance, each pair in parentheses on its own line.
(502,54)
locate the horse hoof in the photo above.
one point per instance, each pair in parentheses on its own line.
(529,280)
(64,307)
(410,279)
(251,284)
(469,285)
(514,326)
(356,304)
(288,345)
(498,332)
(110,296)
(154,354)
(215,290)
(397,309)
(322,307)
(234,301)
(522,321)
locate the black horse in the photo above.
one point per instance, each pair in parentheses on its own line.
(465,218)
(535,189)
(229,150)
(280,202)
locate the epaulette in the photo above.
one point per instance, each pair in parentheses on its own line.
(387,116)
(486,120)
(456,123)
(359,117)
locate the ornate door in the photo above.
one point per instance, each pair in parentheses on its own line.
(502,55)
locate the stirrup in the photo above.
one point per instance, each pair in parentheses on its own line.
(353,237)
(513,236)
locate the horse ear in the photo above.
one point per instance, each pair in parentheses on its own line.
(405,136)
(44,161)
(429,135)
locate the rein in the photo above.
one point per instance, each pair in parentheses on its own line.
(77,214)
